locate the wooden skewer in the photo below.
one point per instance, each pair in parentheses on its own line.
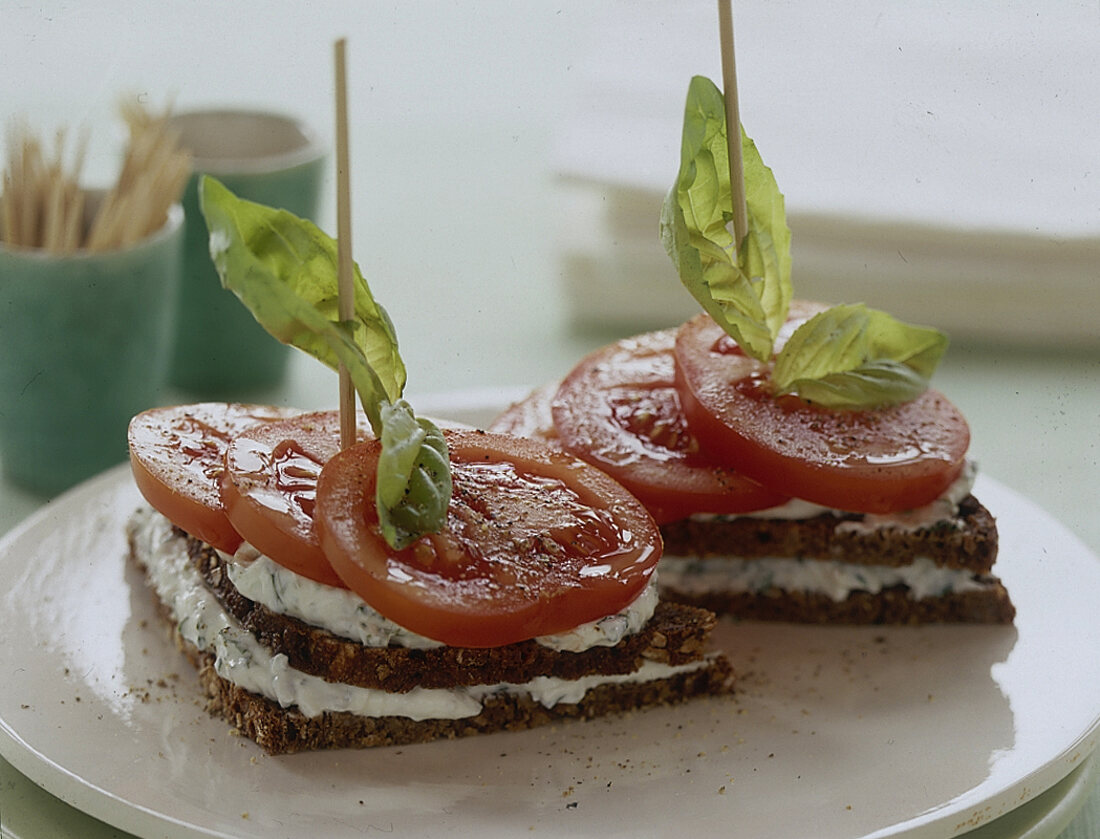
(733,124)
(7,210)
(54,196)
(55,212)
(346,286)
(74,224)
(28,175)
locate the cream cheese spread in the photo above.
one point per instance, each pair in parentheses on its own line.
(241,659)
(944,511)
(836,580)
(344,613)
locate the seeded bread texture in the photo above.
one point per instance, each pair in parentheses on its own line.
(990,605)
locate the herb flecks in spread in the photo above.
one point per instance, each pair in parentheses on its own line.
(850,356)
(284,269)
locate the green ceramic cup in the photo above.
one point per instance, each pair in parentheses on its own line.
(220,351)
(85,343)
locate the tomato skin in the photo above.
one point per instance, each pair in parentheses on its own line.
(269,489)
(872,461)
(620,410)
(536,542)
(177,458)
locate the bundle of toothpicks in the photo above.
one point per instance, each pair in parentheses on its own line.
(43,204)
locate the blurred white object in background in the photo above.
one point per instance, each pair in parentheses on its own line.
(939,164)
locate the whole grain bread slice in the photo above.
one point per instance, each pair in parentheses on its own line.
(894,605)
(281,730)
(286,730)
(676,634)
(967,542)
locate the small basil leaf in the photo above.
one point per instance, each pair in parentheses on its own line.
(414,479)
(875,384)
(850,356)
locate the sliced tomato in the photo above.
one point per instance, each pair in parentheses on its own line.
(536,542)
(873,461)
(177,457)
(530,416)
(619,409)
(269,489)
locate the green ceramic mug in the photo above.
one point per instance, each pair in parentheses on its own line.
(220,351)
(85,340)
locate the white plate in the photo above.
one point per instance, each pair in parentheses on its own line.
(836,732)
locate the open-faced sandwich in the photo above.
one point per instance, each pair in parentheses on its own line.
(797,462)
(418,583)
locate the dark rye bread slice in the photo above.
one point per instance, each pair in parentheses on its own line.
(971,545)
(676,634)
(893,606)
(286,730)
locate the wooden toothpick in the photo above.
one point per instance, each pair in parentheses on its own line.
(733,124)
(346,287)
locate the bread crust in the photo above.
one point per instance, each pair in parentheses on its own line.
(972,545)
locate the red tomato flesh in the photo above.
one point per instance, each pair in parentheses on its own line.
(619,409)
(269,489)
(536,542)
(872,461)
(177,458)
(529,417)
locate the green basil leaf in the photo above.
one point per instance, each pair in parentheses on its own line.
(876,384)
(414,479)
(853,357)
(918,347)
(284,269)
(746,289)
(850,356)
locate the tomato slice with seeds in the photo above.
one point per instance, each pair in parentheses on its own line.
(177,458)
(536,542)
(619,409)
(269,489)
(871,461)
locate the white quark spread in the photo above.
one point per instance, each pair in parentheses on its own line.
(836,580)
(241,659)
(944,511)
(339,611)
(344,613)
